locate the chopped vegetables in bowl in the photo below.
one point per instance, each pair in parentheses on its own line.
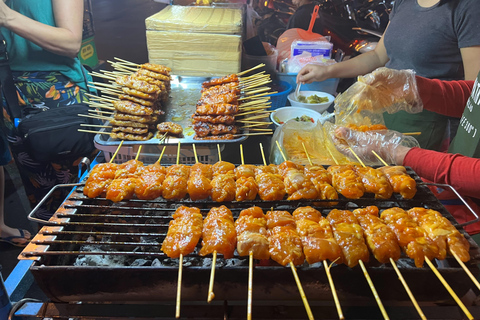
(282,115)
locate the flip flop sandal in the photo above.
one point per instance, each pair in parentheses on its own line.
(12,239)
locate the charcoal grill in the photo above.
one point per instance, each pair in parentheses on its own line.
(96,251)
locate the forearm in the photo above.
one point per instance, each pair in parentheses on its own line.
(359,65)
(444,97)
(65,39)
(463,173)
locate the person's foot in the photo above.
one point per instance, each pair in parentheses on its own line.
(15,236)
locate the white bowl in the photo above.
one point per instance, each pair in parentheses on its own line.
(319,107)
(286,113)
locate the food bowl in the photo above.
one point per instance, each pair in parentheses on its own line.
(282,115)
(319,107)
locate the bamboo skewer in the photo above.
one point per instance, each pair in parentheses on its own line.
(439,276)
(449,289)
(91,131)
(327,267)
(116,151)
(257,96)
(94,125)
(138,152)
(464,267)
(251,69)
(400,276)
(252,134)
(294,270)
(179,287)
(256,125)
(374,291)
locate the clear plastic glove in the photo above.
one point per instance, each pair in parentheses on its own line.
(390,145)
(383,90)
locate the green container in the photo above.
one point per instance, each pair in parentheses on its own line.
(88,53)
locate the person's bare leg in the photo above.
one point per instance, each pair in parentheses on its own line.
(6,231)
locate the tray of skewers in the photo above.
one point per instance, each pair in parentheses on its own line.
(146,104)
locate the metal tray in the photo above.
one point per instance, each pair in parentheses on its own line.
(185,92)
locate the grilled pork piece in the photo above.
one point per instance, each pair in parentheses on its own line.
(129,107)
(129,136)
(285,245)
(411,238)
(381,241)
(375,181)
(149,183)
(176,182)
(156,68)
(170,128)
(322,182)
(349,236)
(317,237)
(251,228)
(400,180)
(99,179)
(297,185)
(199,183)
(218,109)
(346,181)
(270,185)
(440,230)
(246,187)
(184,232)
(228,120)
(219,81)
(218,233)
(136,84)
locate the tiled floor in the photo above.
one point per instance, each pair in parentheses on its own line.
(119,32)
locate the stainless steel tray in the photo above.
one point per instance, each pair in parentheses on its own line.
(185,92)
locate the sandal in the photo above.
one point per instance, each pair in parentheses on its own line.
(18,241)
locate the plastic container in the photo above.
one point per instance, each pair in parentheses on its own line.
(279,99)
(315,48)
(328,86)
(270,61)
(318,107)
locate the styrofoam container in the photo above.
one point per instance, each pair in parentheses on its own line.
(328,86)
(318,107)
(286,113)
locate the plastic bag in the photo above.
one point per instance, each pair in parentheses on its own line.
(315,48)
(385,143)
(295,64)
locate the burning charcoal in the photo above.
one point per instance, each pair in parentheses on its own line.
(140,263)
(156,263)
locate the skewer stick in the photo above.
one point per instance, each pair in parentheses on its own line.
(356,156)
(93,97)
(241,153)
(195,153)
(327,267)
(179,285)
(252,134)
(281,151)
(331,155)
(257,95)
(410,294)
(308,156)
(91,131)
(260,129)
(178,152)
(101,75)
(412,133)
(138,152)
(126,62)
(99,112)
(380,158)
(263,156)
(302,293)
(261,73)
(94,117)
(256,125)
(334,292)
(251,69)
(246,104)
(449,289)
(94,125)
(161,154)
(264,113)
(250,285)
(211,295)
(116,151)
(470,275)
(374,291)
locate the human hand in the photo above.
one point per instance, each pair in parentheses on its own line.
(391,146)
(312,72)
(389,90)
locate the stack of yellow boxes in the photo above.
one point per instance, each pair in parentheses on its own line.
(196,41)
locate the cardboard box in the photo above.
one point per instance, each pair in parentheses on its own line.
(196,41)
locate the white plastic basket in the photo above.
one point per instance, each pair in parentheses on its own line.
(150,153)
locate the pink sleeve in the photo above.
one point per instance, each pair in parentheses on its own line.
(445,97)
(462,173)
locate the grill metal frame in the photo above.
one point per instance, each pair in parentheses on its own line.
(57,244)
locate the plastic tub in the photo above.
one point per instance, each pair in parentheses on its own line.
(328,86)
(279,99)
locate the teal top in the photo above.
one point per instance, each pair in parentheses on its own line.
(24,55)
